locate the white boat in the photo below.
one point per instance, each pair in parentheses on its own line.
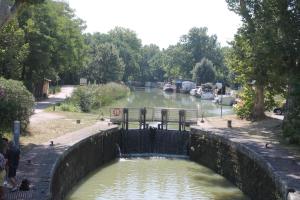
(226,100)
(205,92)
(207,95)
(169,87)
(193,92)
(187,86)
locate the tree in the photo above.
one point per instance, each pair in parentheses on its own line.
(129,47)
(106,65)
(9,8)
(56,44)
(200,45)
(254,50)
(13,50)
(203,72)
(148,64)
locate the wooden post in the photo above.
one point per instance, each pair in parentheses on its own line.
(229,124)
(17,131)
(125,119)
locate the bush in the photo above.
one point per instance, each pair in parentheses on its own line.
(92,97)
(16,103)
(244,108)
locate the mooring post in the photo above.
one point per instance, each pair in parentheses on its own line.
(181,120)
(125,119)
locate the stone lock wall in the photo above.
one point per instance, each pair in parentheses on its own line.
(82,158)
(238,164)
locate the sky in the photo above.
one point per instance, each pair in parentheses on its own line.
(159,22)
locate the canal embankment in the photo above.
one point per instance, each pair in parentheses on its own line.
(260,172)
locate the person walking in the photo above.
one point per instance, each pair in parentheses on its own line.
(13,156)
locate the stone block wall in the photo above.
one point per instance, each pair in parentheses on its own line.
(235,162)
(82,158)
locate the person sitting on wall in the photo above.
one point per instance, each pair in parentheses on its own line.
(2,174)
(13,156)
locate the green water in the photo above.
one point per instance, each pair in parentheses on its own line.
(155,178)
(153,97)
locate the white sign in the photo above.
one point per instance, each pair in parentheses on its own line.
(83,81)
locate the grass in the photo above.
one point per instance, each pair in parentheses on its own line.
(63,122)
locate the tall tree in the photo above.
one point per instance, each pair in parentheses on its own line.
(56,44)
(254,47)
(129,47)
(106,65)
(9,8)
(13,50)
(203,72)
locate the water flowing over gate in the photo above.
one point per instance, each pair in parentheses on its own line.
(159,116)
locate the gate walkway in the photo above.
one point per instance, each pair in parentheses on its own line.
(146,115)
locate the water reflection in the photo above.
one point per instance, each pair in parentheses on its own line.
(152,97)
(155,178)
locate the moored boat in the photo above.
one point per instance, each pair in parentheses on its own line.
(226,100)
(169,87)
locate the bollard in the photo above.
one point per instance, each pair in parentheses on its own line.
(17,130)
(229,124)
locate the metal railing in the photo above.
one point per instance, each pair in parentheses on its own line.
(146,115)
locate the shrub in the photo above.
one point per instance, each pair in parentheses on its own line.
(16,103)
(244,108)
(68,107)
(92,97)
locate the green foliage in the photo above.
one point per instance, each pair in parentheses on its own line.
(203,72)
(54,89)
(92,97)
(13,50)
(16,103)
(106,65)
(56,44)
(245,106)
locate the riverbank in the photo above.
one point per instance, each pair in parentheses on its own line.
(41,155)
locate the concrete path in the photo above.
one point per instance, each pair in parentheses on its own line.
(40,106)
(66,91)
(37,164)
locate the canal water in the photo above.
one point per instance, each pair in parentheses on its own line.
(154,97)
(155,178)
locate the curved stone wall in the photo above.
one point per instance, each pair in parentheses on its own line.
(239,164)
(82,158)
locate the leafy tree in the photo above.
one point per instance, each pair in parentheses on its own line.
(200,45)
(9,8)
(254,50)
(56,43)
(203,72)
(129,47)
(106,65)
(147,64)
(13,50)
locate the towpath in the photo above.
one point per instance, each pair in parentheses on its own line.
(39,114)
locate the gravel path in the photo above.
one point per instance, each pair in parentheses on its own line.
(39,114)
